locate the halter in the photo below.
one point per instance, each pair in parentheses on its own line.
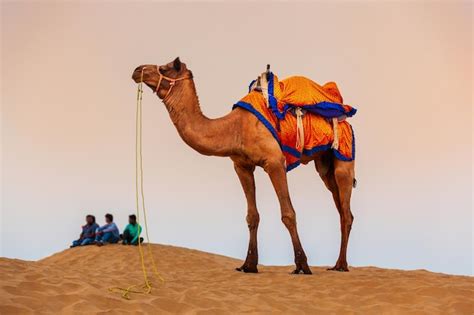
(172,81)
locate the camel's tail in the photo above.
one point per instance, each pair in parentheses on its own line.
(354,183)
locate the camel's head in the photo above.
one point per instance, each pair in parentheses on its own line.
(161,78)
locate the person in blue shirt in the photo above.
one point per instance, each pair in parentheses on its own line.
(88,232)
(108,233)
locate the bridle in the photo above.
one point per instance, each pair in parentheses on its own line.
(172,81)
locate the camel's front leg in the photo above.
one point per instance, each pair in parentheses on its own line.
(277,172)
(246,177)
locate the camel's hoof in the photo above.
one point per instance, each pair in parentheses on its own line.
(340,269)
(305,271)
(302,267)
(247,269)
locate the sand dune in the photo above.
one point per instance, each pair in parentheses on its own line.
(77,281)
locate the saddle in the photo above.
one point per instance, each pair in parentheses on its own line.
(303,116)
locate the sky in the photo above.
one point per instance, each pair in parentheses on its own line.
(68,106)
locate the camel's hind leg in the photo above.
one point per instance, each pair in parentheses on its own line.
(246,177)
(339,179)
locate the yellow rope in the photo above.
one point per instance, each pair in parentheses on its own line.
(146,288)
(140,158)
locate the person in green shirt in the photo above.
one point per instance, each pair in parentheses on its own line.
(132,232)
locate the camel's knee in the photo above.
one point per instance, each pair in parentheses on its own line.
(347,220)
(253,219)
(289,219)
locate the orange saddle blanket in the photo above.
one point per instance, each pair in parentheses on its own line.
(300,114)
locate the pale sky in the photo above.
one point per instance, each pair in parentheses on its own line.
(68,106)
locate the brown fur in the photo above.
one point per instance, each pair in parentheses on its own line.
(240,136)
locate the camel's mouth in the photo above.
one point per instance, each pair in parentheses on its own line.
(139,74)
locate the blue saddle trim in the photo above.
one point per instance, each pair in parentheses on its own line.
(260,117)
(293,166)
(318,148)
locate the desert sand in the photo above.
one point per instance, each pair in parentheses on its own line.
(77,281)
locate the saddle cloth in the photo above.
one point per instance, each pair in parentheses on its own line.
(277,105)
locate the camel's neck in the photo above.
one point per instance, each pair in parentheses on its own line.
(207,136)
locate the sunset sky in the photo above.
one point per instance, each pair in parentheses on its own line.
(68,106)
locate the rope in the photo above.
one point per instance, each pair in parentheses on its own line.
(139,195)
(335,143)
(299,129)
(264,87)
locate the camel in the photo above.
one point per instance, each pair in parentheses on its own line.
(240,136)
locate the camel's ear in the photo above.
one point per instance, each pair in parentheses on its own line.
(177,64)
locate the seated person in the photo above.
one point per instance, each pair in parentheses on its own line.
(132,231)
(108,233)
(88,232)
